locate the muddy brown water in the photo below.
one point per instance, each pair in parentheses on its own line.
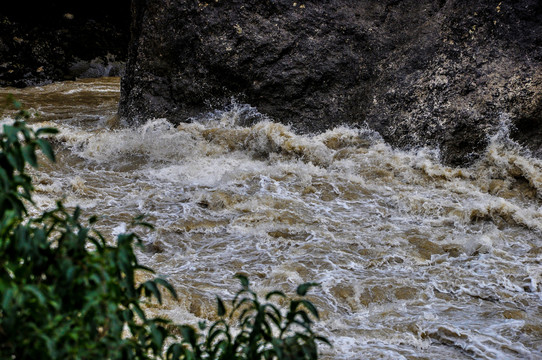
(416,260)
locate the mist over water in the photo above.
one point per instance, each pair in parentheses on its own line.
(416,260)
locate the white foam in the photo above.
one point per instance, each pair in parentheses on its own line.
(408,251)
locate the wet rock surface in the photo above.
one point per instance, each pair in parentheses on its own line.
(444,74)
(309,64)
(471,68)
(42,42)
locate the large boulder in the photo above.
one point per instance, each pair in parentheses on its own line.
(442,73)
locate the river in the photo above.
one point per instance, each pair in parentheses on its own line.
(416,260)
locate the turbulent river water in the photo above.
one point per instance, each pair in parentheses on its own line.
(416,260)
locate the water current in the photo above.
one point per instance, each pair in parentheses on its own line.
(416,260)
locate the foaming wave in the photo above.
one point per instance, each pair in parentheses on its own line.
(206,152)
(415,258)
(507,160)
(477,344)
(157,140)
(233,115)
(268,137)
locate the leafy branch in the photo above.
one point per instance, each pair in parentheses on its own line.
(68,293)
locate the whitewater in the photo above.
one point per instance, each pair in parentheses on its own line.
(416,260)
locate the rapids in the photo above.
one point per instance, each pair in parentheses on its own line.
(416,260)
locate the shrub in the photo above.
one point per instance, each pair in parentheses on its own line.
(263,333)
(66,293)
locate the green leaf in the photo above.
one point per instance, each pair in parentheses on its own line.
(278,347)
(144,268)
(221,309)
(35,291)
(76,214)
(47,130)
(15,160)
(188,334)
(240,303)
(303,288)
(139,312)
(274,293)
(151,288)
(70,274)
(167,285)
(306,320)
(157,336)
(175,351)
(5,179)
(29,155)
(276,319)
(243,280)
(11,133)
(6,301)
(311,308)
(323,339)
(46,149)
(218,328)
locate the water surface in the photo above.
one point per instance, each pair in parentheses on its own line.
(416,260)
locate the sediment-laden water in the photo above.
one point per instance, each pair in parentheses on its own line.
(416,260)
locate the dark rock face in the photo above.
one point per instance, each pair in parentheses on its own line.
(55,40)
(421,72)
(472,66)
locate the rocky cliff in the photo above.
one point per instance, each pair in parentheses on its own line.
(56,40)
(441,73)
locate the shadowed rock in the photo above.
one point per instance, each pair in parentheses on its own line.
(46,41)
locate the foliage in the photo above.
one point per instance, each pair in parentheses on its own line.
(66,293)
(265,333)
